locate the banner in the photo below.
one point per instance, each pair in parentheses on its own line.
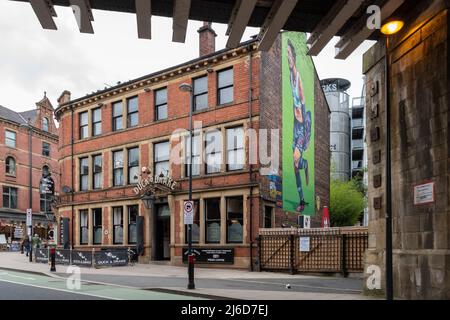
(82,258)
(111,258)
(41,255)
(62,256)
(298,80)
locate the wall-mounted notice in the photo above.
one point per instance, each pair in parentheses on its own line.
(424,194)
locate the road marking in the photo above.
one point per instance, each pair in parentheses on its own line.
(297,285)
(56,289)
(15,276)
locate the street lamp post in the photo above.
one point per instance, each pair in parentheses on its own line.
(390,27)
(191,284)
(30,177)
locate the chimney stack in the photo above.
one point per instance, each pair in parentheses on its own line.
(207,39)
(64,97)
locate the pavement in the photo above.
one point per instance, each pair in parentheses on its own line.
(162,281)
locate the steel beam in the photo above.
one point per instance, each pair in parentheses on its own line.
(44,12)
(356,36)
(332,22)
(83,15)
(239,20)
(275,21)
(181,12)
(144,16)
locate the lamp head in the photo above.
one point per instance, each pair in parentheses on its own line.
(392,27)
(184,87)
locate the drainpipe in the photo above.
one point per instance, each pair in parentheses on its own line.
(72,179)
(250,93)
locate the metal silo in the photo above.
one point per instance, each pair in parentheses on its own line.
(340,127)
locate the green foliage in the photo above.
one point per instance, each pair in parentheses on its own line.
(347,202)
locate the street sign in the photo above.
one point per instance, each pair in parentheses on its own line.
(307,222)
(29,217)
(188,212)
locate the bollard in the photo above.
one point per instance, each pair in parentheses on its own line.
(52,258)
(191,262)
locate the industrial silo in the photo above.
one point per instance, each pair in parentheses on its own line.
(340,128)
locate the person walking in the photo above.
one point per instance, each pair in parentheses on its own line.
(26,246)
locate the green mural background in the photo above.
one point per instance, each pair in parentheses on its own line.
(305,68)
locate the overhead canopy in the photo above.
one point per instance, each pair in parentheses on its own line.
(323,18)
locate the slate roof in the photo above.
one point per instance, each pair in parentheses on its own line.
(17,117)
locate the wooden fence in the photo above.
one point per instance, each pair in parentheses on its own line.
(330,250)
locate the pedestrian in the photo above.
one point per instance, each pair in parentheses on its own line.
(36,242)
(26,246)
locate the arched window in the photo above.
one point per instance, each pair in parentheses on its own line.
(45,124)
(10,166)
(45,170)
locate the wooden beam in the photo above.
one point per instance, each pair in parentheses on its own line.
(181,12)
(275,21)
(239,19)
(44,12)
(83,15)
(353,39)
(332,23)
(144,16)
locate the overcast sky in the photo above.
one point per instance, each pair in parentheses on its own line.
(33,60)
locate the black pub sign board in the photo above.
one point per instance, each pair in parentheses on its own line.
(41,255)
(82,258)
(211,255)
(111,258)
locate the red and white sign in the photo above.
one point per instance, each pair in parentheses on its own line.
(189,212)
(325,218)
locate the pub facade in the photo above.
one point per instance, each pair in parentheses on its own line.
(124,158)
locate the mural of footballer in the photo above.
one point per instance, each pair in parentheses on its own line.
(302,125)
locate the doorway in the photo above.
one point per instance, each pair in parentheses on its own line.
(162,232)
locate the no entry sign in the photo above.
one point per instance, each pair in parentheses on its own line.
(188,212)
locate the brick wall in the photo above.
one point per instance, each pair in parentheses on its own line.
(271,118)
(420,153)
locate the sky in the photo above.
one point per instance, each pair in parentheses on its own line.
(34,60)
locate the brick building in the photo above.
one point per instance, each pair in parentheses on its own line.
(15,162)
(108,137)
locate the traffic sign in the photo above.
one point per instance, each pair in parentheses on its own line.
(189,212)
(29,217)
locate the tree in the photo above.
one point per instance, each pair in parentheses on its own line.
(346,203)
